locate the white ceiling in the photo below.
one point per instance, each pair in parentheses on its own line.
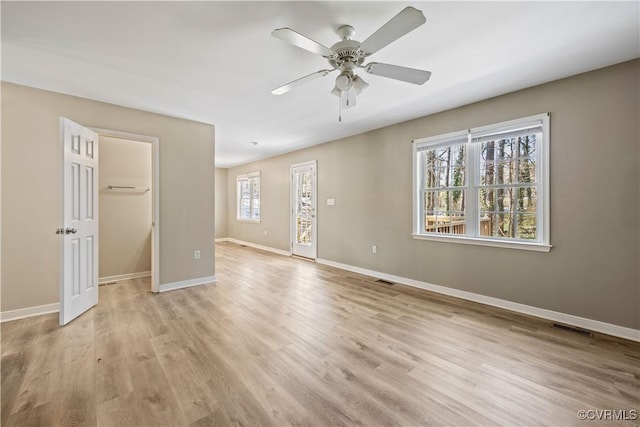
(216,62)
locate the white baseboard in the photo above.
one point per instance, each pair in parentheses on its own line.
(187,283)
(256,246)
(119,277)
(7,316)
(582,322)
(222,239)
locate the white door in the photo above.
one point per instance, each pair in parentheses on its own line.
(79,232)
(303,210)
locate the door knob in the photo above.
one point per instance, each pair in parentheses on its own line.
(69,230)
(59,230)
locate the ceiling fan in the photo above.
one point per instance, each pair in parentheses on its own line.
(349,55)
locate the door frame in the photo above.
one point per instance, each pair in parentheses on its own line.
(314,189)
(155,195)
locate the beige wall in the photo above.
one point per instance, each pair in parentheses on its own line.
(31,209)
(222,219)
(125,215)
(592,270)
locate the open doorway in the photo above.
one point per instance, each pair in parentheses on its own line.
(129,207)
(125,210)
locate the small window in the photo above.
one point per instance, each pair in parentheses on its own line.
(248,189)
(487,185)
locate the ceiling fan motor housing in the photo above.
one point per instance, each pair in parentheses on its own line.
(346,51)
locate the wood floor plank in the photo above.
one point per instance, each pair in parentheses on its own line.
(279,341)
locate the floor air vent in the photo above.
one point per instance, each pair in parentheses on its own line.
(384,282)
(579,331)
(108,283)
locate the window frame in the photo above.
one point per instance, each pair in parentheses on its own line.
(472,186)
(249,178)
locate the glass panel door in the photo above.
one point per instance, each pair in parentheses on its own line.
(303,204)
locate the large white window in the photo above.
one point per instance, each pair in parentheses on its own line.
(486,186)
(248,190)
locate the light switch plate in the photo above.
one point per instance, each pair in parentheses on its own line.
(331,202)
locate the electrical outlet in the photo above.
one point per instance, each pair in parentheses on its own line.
(374,249)
(196,254)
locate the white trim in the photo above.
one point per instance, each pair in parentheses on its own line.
(127,276)
(187,283)
(435,141)
(155,195)
(527,246)
(222,239)
(256,246)
(22,313)
(593,325)
(537,119)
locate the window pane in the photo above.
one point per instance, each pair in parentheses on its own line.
(244,189)
(458,174)
(487,199)
(527,170)
(504,199)
(444,167)
(505,172)
(503,225)
(509,148)
(486,223)
(527,226)
(444,157)
(441,224)
(527,146)
(430,201)
(256,210)
(443,201)
(444,177)
(458,200)
(488,151)
(487,174)
(245,209)
(458,154)
(458,223)
(255,186)
(527,199)
(430,178)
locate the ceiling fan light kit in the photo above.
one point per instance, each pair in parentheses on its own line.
(348,55)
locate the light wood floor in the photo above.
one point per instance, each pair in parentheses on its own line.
(279,341)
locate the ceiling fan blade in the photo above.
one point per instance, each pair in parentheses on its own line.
(407,20)
(297,39)
(291,85)
(405,74)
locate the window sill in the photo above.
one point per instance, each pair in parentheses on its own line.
(537,247)
(251,221)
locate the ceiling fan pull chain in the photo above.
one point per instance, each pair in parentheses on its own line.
(339,110)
